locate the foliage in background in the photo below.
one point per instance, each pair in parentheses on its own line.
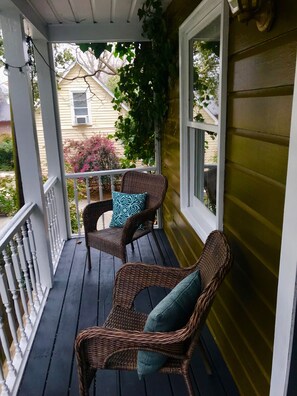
(143,84)
(8,197)
(93,154)
(96,153)
(206,63)
(6,154)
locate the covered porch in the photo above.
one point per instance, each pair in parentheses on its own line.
(47,295)
(81,298)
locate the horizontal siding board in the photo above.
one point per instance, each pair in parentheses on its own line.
(259,353)
(246,386)
(253,379)
(186,240)
(265,158)
(261,194)
(263,241)
(250,71)
(247,296)
(261,114)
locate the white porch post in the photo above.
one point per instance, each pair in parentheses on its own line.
(26,137)
(51,125)
(287,283)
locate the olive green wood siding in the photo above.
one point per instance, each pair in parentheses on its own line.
(184,240)
(261,69)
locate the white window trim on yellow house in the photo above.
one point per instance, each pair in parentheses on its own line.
(199,216)
(87,116)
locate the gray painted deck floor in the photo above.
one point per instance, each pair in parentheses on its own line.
(80,299)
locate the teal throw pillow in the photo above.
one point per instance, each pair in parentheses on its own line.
(125,206)
(172,313)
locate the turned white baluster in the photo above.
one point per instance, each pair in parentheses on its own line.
(49,224)
(13,290)
(8,309)
(58,242)
(3,385)
(88,190)
(24,266)
(34,257)
(101,198)
(6,350)
(76,205)
(19,277)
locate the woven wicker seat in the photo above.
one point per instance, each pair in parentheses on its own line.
(115,344)
(114,240)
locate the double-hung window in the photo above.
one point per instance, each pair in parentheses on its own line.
(203,60)
(80,108)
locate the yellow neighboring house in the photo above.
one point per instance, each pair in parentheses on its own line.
(85,109)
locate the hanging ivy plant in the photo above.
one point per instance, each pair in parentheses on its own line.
(143,85)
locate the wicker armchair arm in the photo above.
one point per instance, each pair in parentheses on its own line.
(134,277)
(133,222)
(106,341)
(93,211)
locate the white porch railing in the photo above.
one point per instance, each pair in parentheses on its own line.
(22,297)
(82,193)
(56,241)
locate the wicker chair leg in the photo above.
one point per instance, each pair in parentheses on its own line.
(188,383)
(89,258)
(158,246)
(85,382)
(124,255)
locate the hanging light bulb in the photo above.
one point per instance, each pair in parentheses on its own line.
(6,70)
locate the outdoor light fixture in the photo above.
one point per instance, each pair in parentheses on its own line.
(260,10)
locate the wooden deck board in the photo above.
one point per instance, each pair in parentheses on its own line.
(82,298)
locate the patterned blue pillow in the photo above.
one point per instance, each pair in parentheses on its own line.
(125,206)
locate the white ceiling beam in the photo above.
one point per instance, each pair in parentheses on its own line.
(31,14)
(112,10)
(131,11)
(93,8)
(54,11)
(98,32)
(76,18)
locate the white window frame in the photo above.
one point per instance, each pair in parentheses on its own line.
(88,116)
(198,215)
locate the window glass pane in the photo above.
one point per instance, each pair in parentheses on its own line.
(81,111)
(80,99)
(205,173)
(205,72)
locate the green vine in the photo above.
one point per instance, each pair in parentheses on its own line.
(143,85)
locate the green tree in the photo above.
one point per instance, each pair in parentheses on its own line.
(143,84)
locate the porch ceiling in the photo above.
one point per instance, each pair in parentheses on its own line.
(81,20)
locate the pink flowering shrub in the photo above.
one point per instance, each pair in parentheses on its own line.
(93,154)
(89,155)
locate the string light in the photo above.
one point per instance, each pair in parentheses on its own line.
(7,66)
(6,71)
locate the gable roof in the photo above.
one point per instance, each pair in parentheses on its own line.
(89,73)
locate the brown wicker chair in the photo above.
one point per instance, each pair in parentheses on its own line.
(114,240)
(115,345)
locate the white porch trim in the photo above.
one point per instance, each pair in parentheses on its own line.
(287,290)
(52,127)
(26,137)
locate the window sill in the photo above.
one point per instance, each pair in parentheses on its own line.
(201,219)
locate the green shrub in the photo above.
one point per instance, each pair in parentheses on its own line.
(8,196)
(6,154)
